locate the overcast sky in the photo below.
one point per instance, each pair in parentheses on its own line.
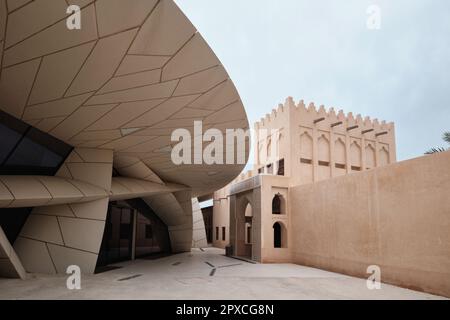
(322,51)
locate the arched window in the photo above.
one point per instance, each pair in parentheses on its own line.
(248,210)
(277,146)
(278,204)
(262,153)
(355,153)
(340,154)
(306,148)
(370,156)
(324,151)
(384,156)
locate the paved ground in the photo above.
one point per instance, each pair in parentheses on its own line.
(204,275)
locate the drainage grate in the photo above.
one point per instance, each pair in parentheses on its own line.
(210,264)
(130,277)
(231,265)
(213,271)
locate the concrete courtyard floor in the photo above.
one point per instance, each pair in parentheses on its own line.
(203,275)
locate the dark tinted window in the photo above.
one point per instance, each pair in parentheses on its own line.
(11,131)
(277,235)
(8,140)
(26,150)
(150,235)
(148,231)
(223,234)
(276,205)
(281,167)
(12,221)
(125,231)
(30,153)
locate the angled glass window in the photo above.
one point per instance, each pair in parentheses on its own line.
(9,139)
(25,150)
(32,151)
(12,221)
(11,132)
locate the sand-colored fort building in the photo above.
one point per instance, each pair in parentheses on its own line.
(330,194)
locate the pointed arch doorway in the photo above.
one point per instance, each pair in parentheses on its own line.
(244,228)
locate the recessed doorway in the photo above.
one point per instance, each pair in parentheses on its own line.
(132,231)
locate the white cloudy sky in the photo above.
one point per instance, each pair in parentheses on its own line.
(322,51)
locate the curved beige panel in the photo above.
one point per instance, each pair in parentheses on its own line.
(198,229)
(27,191)
(175,210)
(136,71)
(135,168)
(167,208)
(34,255)
(92,231)
(43,228)
(127,188)
(64,257)
(164,32)
(36,191)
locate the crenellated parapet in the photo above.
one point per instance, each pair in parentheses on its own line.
(320,114)
(281,110)
(321,142)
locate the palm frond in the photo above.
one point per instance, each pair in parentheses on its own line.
(446,136)
(435,150)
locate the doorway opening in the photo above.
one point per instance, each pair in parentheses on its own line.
(279,236)
(132,231)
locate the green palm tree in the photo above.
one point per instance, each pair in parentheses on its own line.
(446,138)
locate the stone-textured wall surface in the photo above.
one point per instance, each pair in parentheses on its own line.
(396,217)
(221,217)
